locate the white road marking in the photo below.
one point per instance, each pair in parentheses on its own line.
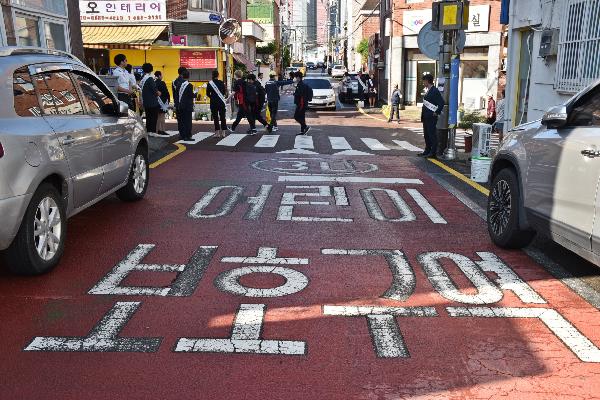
(487,292)
(198,137)
(229,282)
(375,211)
(339,143)
(288,201)
(188,275)
(297,151)
(407,146)
(267,141)
(104,336)
(245,337)
(348,179)
(374,144)
(266,255)
(168,134)
(581,346)
(304,142)
(383,327)
(232,140)
(226,207)
(352,153)
(427,208)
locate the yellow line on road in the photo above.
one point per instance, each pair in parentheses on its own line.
(180,149)
(369,115)
(460,176)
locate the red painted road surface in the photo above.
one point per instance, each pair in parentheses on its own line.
(427,346)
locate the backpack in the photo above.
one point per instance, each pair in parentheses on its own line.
(251,94)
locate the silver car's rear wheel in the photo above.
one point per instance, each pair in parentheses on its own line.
(47,231)
(503,212)
(500,207)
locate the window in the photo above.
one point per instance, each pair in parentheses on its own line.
(200,74)
(97,101)
(26,100)
(53,6)
(204,5)
(579,44)
(58,94)
(475,69)
(27,31)
(55,36)
(586,112)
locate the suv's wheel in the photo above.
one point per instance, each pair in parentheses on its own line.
(40,241)
(503,212)
(137,183)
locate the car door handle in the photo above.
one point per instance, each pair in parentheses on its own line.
(68,140)
(590,153)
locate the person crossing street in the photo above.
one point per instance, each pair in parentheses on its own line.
(302,96)
(217,93)
(272,89)
(239,92)
(395,104)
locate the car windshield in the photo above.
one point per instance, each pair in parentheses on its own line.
(318,83)
(338,66)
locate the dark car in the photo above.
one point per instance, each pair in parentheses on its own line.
(311,65)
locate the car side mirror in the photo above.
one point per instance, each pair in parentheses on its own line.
(555,117)
(123,109)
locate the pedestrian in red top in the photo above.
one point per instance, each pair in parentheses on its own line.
(491,111)
(239,91)
(302,96)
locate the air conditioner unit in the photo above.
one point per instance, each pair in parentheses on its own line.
(482,140)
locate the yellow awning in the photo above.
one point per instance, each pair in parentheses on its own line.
(121,37)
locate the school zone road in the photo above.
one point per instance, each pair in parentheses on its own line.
(253,275)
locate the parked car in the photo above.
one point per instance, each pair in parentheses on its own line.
(323,94)
(545,177)
(348,90)
(311,65)
(300,66)
(66,142)
(338,71)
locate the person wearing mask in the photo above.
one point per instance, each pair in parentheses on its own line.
(163,101)
(302,96)
(372,90)
(124,90)
(150,98)
(272,89)
(175,86)
(239,93)
(395,103)
(217,93)
(433,103)
(185,106)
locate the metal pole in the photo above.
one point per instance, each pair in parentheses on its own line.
(443,82)
(452,96)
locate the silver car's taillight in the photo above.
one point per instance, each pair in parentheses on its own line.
(1,151)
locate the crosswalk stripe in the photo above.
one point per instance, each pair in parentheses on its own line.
(232,140)
(407,146)
(374,144)
(198,137)
(267,141)
(339,143)
(304,142)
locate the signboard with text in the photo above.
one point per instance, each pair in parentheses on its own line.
(198,59)
(122,10)
(414,20)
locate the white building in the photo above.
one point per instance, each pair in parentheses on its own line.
(553,52)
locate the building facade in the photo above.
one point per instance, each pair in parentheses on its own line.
(37,23)
(553,52)
(399,60)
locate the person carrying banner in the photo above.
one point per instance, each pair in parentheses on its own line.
(433,103)
(217,93)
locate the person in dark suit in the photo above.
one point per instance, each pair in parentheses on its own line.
(176,85)
(217,93)
(239,91)
(185,106)
(261,96)
(150,98)
(302,96)
(433,103)
(164,100)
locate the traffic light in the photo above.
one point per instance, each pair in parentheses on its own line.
(448,15)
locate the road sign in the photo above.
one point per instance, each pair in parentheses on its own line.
(429,41)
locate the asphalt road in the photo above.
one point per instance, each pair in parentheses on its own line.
(315,268)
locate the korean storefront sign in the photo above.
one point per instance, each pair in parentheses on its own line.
(414,20)
(122,11)
(198,59)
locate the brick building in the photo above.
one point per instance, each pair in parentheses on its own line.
(49,24)
(399,59)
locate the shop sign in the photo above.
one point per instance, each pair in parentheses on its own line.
(122,11)
(414,20)
(178,40)
(198,59)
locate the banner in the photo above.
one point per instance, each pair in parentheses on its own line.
(198,59)
(123,11)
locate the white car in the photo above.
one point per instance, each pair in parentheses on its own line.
(338,71)
(323,94)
